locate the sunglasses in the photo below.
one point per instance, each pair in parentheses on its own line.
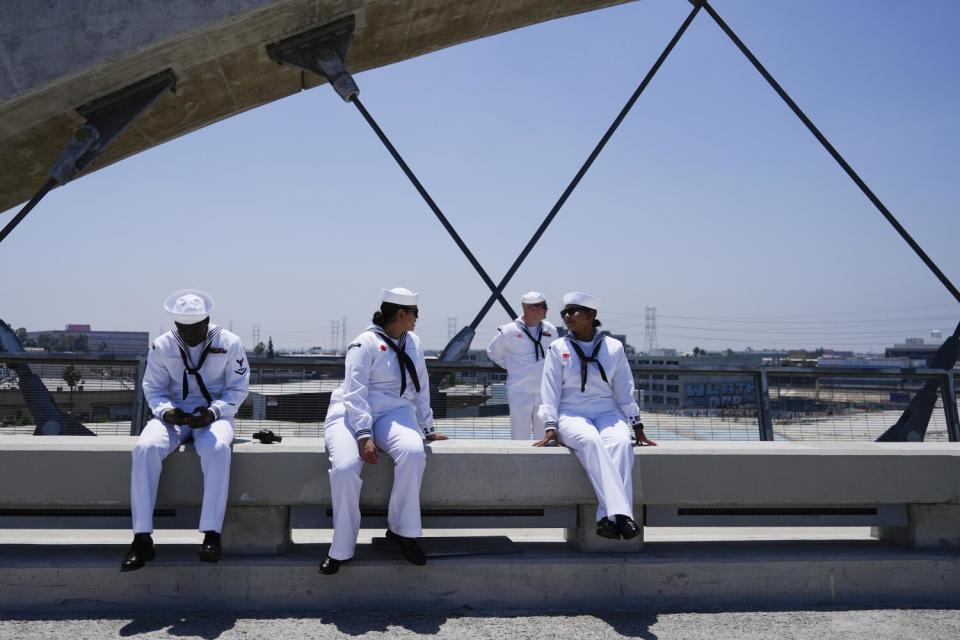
(414,310)
(572,310)
(539,305)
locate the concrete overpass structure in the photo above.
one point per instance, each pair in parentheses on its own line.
(56,56)
(495,484)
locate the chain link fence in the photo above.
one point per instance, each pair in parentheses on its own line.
(290,396)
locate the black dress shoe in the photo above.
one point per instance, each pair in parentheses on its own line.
(607,529)
(411,550)
(627,527)
(141,552)
(210,550)
(331,565)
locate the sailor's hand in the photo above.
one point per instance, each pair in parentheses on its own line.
(436,435)
(175,417)
(368,451)
(547,439)
(642,439)
(201,417)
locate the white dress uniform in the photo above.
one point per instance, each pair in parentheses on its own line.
(587,394)
(521,351)
(215,374)
(386,396)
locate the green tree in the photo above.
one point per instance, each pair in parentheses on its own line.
(270,351)
(22,335)
(72,376)
(259,349)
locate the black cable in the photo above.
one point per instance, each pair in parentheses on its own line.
(587,164)
(833,152)
(17,219)
(497,294)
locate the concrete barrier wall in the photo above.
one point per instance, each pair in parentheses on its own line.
(65,472)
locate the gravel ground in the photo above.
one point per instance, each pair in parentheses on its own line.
(789,625)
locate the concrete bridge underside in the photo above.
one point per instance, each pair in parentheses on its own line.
(56,55)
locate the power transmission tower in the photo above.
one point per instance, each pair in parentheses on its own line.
(650,329)
(334,335)
(451,328)
(343,334)
(256,336)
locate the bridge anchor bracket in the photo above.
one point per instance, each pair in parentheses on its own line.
(322,50)
(105,118)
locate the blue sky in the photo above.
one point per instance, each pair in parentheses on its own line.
(712,202)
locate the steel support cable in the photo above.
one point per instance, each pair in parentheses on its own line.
(27,208)
(587,163)
(832,151)
(497,293)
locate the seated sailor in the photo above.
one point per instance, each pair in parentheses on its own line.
(587,401)
(383,404)
(196,378)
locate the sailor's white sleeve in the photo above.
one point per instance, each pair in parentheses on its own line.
(550,385)
(497,349)
(356,380)
(422,400)
(623,389)
(236,383)
(156,384)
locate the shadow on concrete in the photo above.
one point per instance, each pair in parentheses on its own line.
(192,626)
(354,623)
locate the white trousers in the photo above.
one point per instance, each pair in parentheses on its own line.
(157,440)
(604,448)
(397,434)
(523,415)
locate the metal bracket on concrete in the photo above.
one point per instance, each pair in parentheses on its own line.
(106,117)
(322,50)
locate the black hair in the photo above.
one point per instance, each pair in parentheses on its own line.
(596,323)
(388,311)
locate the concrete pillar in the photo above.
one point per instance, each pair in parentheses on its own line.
(585,538)
(248,530)
(930,526)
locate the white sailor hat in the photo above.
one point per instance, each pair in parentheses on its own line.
(401,296)
(532,297)
(582,300)
(189,306)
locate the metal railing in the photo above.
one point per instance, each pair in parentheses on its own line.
(290,396)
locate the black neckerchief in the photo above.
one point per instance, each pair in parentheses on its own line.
(538,351)
(195,371)
(584,360)
(406,362)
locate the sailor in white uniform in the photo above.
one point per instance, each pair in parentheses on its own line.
(587,399)
(196,378)
(383,404)
(520,348)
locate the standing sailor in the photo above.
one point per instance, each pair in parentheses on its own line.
(587,399)
(383,403)
(196,378)
(519,347)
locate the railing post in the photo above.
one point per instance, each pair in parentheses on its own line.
(763,406)
(949,393)
(137,420)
